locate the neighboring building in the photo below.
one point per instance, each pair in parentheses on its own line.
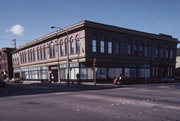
(6,61)
(134,54)
(178,58)
(178,64)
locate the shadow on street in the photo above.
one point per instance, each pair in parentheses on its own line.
(29,89)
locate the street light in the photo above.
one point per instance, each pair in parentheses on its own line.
(53,27)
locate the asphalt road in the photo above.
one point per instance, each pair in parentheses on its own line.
(150,102)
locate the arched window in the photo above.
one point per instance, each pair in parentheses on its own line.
(44,52)
(77,45)
(62,48)
(25,57)
(51,51)
(40,53)
(72,45)
(31,56)
(37,53)
(28,55)
(65,46)
(34,59)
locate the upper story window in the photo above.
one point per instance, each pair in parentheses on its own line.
(171,54)
(146,51)
(44,52)
(166,53)
(65,47)
(41,53)
(52,51)
(77,46)
(94,46)
(72,46)
(156,52)
(161,53)
(34,57)
(29,56)
(38,53)
(141,50)
(135,52)
(129,48)
(117,47)
(109,47)
(102,46)
(62,48)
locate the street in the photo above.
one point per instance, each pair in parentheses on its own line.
(145,102)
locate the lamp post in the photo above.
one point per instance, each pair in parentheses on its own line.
(53,27)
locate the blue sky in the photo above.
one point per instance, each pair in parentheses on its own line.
(37,16)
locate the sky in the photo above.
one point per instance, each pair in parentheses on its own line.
(27,20)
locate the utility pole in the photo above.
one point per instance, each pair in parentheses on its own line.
(14,43)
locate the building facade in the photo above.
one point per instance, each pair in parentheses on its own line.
(6,62)
(64,54)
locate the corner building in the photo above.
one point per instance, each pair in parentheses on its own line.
(138,56)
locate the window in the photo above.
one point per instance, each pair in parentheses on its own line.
(34,55)
(37,53)
(171,54)
(166,53)
(44,52)
(78,46)
(145,51)
(161,52)
(129,48)
(62,49)
(109,47)
(72,47)
(51,51)
(140,50)
(135,49)
(117,48)
(24,56)
(94,46)
(41,53)
(29,56)
(65,47)
(101,73)
(102,46)
(156,53)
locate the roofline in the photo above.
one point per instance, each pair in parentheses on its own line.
(96,25)
(159,36)
(53,34)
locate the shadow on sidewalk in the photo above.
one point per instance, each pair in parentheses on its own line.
(29,89)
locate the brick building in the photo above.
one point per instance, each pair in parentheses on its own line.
(63,54)
(6,61)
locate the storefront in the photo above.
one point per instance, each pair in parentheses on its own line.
(35,74)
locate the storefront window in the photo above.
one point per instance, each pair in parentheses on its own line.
(90,73)
(83,73)
(101,73)
(114,72)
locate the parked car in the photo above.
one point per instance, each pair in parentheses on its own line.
(2,84)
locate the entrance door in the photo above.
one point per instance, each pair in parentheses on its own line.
(54,76)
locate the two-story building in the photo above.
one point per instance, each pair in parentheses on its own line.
(63,54)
